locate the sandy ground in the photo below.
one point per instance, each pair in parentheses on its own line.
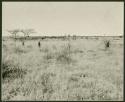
(81,69)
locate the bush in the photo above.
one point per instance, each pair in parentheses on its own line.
(47,56)
(64,55)
(46,81)
(11,70)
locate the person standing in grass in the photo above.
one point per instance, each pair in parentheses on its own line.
(39,44)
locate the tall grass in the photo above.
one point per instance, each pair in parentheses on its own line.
(30,78)
(64,56)
(11,69)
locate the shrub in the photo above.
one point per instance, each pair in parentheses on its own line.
(63,58)
(46,80)
(64,55)
(48,56)
(11,70)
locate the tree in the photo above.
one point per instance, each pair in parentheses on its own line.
(27,32)
(14,33)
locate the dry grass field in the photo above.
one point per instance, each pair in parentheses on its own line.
(70,70)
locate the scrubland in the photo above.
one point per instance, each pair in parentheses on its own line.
(69,70)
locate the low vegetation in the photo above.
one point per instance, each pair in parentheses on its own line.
(73,70)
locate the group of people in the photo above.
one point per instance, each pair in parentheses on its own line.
(39,44)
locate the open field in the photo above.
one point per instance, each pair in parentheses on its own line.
(82,69)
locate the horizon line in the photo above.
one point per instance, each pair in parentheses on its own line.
(67,35)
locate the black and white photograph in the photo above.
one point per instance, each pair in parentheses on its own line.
(62,51)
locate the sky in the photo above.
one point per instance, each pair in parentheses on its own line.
(63,18)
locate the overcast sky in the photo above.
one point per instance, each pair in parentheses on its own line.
(60,18)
